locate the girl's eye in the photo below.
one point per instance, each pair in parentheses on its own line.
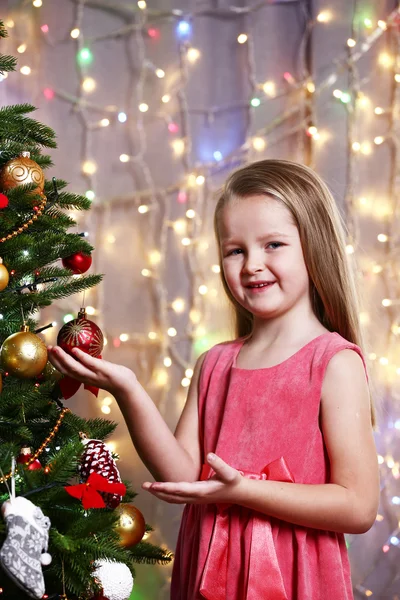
(278,244)
(234,252)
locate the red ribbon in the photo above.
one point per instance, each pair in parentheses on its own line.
(265,578)
(70,386)
(89,492)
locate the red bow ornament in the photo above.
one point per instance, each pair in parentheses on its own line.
(70,386)
(89,492)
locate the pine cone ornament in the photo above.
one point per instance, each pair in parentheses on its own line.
(97,458)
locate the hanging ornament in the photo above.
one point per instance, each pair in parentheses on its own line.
(97,458)
(83,334)
(87,336)
(3,201)
(50,373)
(78,263)
(21,171)
(115,578)
(23,354)
(25,548)
(91,493)
(131,526)
(4,276)
(24,456)
(35,465)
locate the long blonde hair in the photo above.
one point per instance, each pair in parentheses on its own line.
(334,296)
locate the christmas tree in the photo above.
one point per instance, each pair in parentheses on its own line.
(46,451)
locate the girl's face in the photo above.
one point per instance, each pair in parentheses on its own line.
(262,257)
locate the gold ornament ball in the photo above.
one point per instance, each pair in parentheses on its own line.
(23,355)
(50,373)
(20,171)
(4,277)
(131,526)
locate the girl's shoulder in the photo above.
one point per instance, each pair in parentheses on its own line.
(222,350)
(332,344)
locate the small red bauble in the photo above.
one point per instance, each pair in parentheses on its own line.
(24,456)
(3,201)
(35,465)
(78,263)
(83,334)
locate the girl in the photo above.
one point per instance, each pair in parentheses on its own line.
(274,454)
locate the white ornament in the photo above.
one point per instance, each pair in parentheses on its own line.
(115,578)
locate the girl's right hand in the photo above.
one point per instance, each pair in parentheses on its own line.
(92,371)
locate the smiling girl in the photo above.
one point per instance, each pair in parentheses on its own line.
(274,454)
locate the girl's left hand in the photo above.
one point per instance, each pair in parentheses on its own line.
(220,488)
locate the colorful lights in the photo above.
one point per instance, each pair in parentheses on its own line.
(217,155)
(178,147)
(258,143)
(255,102)
(324,16)
(25,70)
(88,84)
(184,29)
(85,56)
(75,33)
(193,55)
(269,88)
(48,93)
(242,38)
(122,117)
(89,167)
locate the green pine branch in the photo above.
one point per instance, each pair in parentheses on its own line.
(15,127)
(7,63)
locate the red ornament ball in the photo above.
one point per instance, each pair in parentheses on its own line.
(78,263)
(35,465)
(83,334)
(24,456)
(3,201)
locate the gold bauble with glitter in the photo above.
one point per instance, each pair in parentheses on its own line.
(23,354)
(50,373)
(131,526)
(21,171)
(4,276)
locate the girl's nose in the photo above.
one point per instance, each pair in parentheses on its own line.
(253,265)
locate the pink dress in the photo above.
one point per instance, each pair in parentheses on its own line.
(265,423)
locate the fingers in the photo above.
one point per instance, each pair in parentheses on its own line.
(67,365)
(224,471)
(172,498)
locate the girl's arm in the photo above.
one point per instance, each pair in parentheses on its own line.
(167,457)
(348,503)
